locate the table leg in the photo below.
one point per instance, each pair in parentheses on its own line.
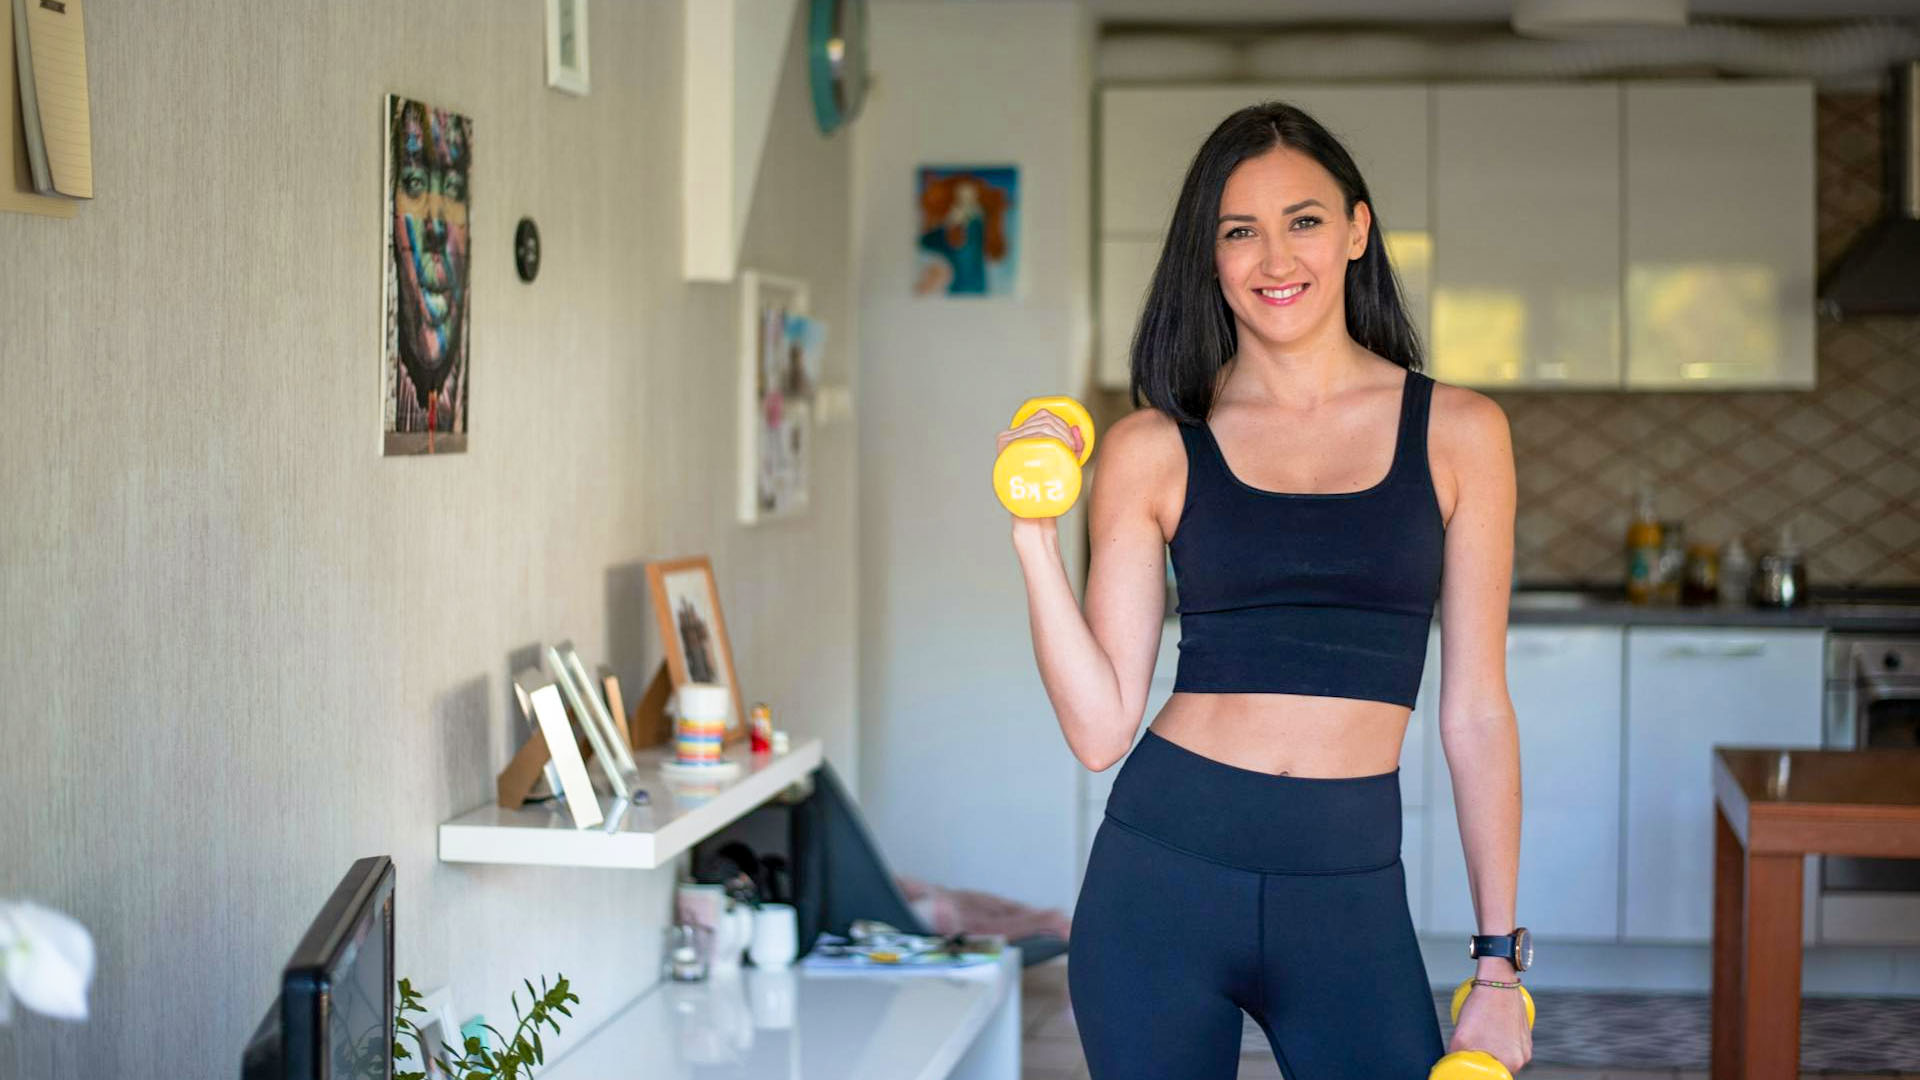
(1770,1026)
(1729,913)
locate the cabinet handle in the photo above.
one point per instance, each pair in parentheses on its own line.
(1523,647)
(1714,652)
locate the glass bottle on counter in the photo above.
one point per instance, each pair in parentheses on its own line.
(1643,548)
(1672,563)
(1699,581)
(1736,569)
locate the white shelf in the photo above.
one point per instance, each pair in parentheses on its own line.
(677,817)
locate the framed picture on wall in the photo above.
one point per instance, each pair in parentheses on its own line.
(438,1036)
(781,348)
(693,632)
(423,359)
(567,45)
(967,230)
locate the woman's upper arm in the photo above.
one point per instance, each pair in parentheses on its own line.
(1141,473)
(1477,575)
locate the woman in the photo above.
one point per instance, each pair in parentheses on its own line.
(1318,495)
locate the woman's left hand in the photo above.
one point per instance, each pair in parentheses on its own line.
(1494,1019)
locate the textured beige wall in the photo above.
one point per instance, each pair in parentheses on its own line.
(948,681)
(240,648)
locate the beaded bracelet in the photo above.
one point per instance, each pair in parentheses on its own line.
(1496,982)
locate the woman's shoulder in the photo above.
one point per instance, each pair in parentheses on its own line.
(1460,412)
(1143,438)
(1142,455)
(1467,431)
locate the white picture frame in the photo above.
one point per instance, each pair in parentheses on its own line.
(438,1030)
(589,724)
(588,689)
(576,787)
(567,46)
(757,290)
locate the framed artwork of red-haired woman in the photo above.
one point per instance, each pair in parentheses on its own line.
(968,234)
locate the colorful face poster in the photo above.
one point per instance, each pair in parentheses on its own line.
(424,365)
(969,231)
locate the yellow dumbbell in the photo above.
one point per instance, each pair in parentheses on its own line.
(1473,1064)
(1039,476)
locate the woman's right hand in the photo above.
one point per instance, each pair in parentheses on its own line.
(1045,423)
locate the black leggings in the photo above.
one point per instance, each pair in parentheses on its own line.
(1212,889)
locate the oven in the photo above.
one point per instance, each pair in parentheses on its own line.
(1872,700)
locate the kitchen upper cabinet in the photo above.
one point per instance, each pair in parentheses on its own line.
(1526,235)
(1149,135)
(1565,685)
(1719,234)
(1126,268)
(1687,690)
(1639,235)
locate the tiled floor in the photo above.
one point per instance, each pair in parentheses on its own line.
(1051,1047)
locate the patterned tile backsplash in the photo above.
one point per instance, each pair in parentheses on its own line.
(1841,462)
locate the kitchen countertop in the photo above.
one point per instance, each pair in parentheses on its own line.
(1891,610)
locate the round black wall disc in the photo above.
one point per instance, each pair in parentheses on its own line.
(526,249)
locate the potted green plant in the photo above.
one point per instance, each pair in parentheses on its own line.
(474,1059)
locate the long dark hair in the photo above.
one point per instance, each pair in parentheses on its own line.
(1186,332)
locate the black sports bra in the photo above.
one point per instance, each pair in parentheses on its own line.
(1327,594)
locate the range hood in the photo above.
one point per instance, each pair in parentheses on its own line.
(1880,273)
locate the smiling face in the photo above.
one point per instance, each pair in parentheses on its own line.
(1282,243)
(430,163)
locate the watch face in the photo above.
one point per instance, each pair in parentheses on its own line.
(1522,949)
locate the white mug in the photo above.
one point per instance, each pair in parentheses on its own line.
(732,935)
(775,934)
(702,701)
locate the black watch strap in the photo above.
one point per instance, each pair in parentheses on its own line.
(1504,946)
(1500,945)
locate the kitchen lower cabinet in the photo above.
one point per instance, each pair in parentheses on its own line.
(1688,690)
(1565,685)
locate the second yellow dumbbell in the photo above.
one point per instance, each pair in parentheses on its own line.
(1474,1064)
(1039,476)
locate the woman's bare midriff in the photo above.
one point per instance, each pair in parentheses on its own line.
(1288,734)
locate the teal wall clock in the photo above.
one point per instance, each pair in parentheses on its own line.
(837,53)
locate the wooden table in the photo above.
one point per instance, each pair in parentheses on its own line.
(1774,807)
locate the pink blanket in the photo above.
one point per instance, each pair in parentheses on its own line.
(952,911)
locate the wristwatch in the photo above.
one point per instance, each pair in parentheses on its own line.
(1516,948)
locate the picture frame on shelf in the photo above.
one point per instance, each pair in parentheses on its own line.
(576,787)
(781,352)
(603,748)
(693,630)
(567,50)
(612,726)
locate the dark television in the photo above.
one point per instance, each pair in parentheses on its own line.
(333,1019)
